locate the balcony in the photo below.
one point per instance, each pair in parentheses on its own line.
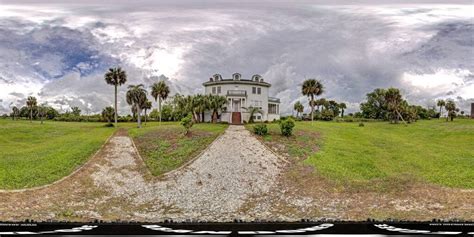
(242,93)
(273,100)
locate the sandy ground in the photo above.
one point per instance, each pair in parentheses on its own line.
(236,177)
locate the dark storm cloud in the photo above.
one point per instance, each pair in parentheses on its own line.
(352,49)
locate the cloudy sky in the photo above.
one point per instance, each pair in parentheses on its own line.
(58,51)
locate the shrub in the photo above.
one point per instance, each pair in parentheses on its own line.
(260,129)
(286,127)
(327,115)
(187,123)
(361,124)
(109,125)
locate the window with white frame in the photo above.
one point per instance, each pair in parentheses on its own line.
(259,90)
(213,90)
(218,90)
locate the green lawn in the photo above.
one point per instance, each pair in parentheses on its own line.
(34,154)
(165,148)
(431,151)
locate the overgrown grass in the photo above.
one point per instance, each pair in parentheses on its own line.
(432,151)
(34,154)
(165,147)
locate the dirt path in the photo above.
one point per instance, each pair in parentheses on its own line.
(236,177)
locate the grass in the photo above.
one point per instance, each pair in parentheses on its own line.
(432,151)
(165,148)
(34,154)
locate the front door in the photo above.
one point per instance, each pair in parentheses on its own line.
(235,105)
(236,118)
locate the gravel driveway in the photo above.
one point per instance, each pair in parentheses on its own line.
(233,168)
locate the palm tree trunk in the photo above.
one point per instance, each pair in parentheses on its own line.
(115,104)
(139,119)
(312,108)
(214,117)
(159,107)
(145,116)
(31,114)
(439,112)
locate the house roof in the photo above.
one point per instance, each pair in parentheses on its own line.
(232,81)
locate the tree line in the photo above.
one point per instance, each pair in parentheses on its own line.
(381,104)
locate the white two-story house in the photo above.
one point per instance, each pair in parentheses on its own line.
(242,94)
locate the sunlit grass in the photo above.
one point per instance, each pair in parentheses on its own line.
(432,151)
(34,154)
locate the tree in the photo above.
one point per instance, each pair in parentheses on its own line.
(146,107)
(393,98)
(252,111)
(462,113)
(342,106)
(136,96)
(16,112)
(31,103)
(216,103)
(376,106)
(441,104)
(51,113)
(76,111)
(451,109)
(115,77)
(187,123)
(298,107)
(201,105)
(108,113)
(160,91)
(42,111)
(312,88)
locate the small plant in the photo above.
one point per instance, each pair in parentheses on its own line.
(108,125)
(361,124)
(187,123)
(260,129)
(286,127)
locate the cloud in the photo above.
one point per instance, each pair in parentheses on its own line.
(59,52)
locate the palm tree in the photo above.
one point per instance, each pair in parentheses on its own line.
(252,111)
(312,88)
(15,112)
(216,103)
(394,101)
(146,107)
(451,109)
(298,107)
(342,106)
(203,105)
(31,103)
(441,104)
(115,77)
(160,91)
(136,96)
(108,113)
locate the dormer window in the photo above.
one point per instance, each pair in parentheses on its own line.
(236,76)
(217,77)
(256,78)
(210,79)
